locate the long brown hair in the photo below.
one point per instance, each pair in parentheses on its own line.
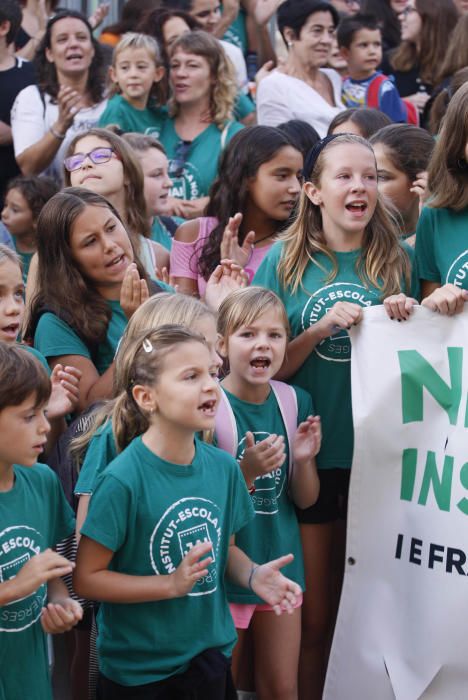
(438,18)
(78,303)
(135,216)
(448,168)
(383,263)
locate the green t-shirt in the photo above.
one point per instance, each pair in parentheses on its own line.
(237,33)
(34,515)
(25,259)
(275,530)
(160,233)
(243,107)
(101,451)
(150,513)
(39,356)
(442,246)
(201,160)
(54,337)
(127,117)
(325,373)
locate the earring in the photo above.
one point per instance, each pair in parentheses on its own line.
(290,44)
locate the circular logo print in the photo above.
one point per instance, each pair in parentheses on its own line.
(184,524)
(458,271)
(337,347)
(17,545)
(269,487)
(184,185)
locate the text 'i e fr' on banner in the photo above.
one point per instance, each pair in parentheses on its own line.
(402,624)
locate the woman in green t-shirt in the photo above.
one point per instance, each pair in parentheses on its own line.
(341,255)
(89,283)
(442,233)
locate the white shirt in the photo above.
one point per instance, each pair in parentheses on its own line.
(281,97)
(238,61)
(31,119)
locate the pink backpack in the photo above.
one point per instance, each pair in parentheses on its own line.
(226,428)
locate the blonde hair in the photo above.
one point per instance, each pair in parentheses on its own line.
(143,142)
(143,363)
(159,310)
(448,168)
(244,306)
(132,40)
(224,91)
(383,262)
(7,253)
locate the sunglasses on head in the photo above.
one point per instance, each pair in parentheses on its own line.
(177,164)
(97,156)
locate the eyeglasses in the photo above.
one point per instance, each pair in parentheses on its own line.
(177,164)
(350,3)
(408,10)
(96,156)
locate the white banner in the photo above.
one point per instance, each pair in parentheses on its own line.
(402,629)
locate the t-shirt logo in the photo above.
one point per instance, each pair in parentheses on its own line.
(184,524)
(337,347)
(458,272)
(185,186)
(17,545)
(269,487)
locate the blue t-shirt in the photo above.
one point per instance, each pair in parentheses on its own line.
(355,94)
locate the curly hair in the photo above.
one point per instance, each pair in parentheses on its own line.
(35,190)
(224,91)
(239,164)
(46,72)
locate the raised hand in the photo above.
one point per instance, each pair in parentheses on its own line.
(307,440)
(134,291)
(191,568)
(226,278)
(69,103)
(99,14)
(61,616)
(65,391)
(230,247)
(268,583)
(262,457)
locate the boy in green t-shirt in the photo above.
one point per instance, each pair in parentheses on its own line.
(34,516)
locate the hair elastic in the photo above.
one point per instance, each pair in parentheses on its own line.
(314,153)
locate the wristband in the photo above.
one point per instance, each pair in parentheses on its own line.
(252,571)
(56,134)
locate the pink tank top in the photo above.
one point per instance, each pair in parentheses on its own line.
(185,256)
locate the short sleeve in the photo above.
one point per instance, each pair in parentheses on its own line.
(100,453)
(425,253)
(106,522)
(53,338)
(113,114)
(272,105)
(62,517)
(27,119)
(241,503)
(243,107)
(305,406)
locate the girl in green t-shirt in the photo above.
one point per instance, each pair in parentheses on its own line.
(64,379)
(442,234)
(34,517)
(89,283)
(276,440)
(402,152)
(342,254)
(158,540)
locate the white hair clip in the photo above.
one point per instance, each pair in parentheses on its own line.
(147,345)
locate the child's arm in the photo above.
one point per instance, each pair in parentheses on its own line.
(265,580)
(305,483)
(39,569)
(93,580)
(62,612)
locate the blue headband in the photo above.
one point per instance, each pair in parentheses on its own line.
(314,153)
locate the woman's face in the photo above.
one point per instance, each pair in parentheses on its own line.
(173,29)
(411,23)
(314,44)
(106,179)
(101,248)
(190,77)
(71,48)
(275,189)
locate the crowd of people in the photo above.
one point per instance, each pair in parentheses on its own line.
(197,203)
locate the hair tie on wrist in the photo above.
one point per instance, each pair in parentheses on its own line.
(314,153)
(56,134)
(252,571)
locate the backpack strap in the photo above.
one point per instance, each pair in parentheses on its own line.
(373,89)
(287,402)
(412,114)
(225,426)
(224,134)
(169,224)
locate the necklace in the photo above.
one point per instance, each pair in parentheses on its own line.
(269,235)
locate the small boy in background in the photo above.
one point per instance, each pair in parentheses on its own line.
(360,42)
